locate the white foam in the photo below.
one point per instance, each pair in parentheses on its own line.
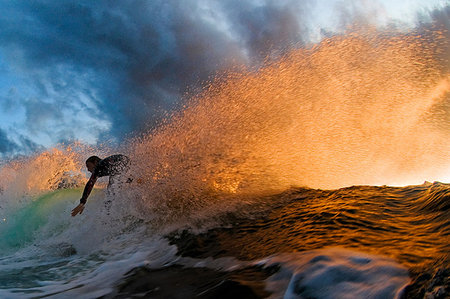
(335,273)
(84,256)
(98,277)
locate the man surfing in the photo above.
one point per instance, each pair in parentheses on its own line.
(114,166)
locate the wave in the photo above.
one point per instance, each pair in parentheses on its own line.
(364,229)
(19,228)
(45,251)
(436,198)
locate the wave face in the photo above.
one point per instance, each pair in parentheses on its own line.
(409,224)
(363,108)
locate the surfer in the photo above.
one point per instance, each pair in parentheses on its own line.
(114,166)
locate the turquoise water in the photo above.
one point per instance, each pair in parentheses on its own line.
(21,227)
(45,251)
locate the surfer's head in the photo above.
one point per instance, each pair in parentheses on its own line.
(92,162)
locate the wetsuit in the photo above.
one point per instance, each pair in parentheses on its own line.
(112,166)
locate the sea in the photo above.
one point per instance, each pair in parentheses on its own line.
(355,242)
(321,174)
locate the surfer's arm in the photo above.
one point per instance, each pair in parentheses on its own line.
(88,188)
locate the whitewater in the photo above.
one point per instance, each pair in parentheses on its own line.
(300,178)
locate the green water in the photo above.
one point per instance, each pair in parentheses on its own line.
(21,226)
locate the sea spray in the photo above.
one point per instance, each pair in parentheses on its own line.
(353,109)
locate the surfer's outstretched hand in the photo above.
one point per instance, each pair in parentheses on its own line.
(78,209)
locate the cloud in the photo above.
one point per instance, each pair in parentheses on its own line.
(137,57)
(26,145)
(10,146)
(108,68)
(38,113)
(6,145)
(272,27)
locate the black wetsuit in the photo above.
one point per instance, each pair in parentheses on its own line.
(111,166)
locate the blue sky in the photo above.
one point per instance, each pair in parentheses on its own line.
(99,70)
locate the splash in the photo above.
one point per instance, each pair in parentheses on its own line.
(354,109)
(56,168)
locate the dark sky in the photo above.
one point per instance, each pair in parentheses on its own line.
(99,70)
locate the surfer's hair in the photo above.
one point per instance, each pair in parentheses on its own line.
(93,160)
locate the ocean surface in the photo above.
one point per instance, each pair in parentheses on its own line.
(355,242)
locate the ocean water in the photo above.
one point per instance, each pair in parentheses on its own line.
(359,242)
(300,178)
(45,251)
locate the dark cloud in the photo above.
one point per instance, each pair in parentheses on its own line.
(274,27)
(10,147)
(39,113)
(123,62)
(26,145)
(6,145)
(137,57)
